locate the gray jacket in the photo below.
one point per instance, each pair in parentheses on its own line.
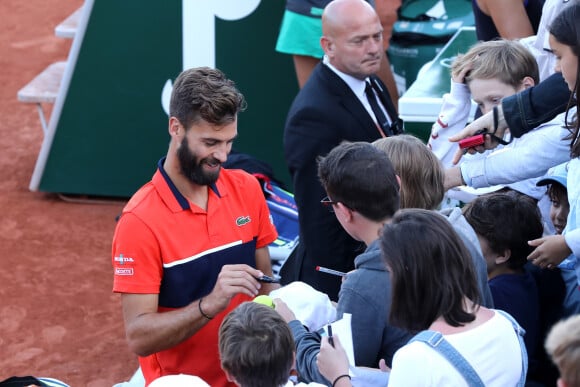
(366,294)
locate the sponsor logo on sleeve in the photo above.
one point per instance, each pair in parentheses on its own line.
(123,271)
(123,265)
(123,260)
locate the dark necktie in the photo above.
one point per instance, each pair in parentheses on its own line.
(379,114)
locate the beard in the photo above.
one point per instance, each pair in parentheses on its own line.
(192,168)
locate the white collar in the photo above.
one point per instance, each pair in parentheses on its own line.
(355,84)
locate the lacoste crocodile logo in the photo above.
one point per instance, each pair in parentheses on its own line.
(243,220)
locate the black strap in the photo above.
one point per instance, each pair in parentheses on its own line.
(492,135)
(385,99)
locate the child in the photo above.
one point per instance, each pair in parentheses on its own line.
(504,223)
(256,347)
(489,72)
(422,177)
(557,181)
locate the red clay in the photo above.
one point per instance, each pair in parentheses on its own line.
(58,316)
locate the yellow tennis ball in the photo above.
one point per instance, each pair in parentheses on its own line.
(264,300)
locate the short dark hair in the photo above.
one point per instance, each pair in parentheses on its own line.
(256,346)
(507,220)
(432,271)
(362,178)
(556,190)
(205,93)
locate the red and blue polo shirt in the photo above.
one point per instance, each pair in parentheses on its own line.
(166,245)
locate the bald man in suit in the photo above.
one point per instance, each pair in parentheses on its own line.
(334,106)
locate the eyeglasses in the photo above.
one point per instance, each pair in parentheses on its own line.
(328,203)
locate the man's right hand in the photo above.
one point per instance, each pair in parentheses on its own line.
(149,331)
(232,279)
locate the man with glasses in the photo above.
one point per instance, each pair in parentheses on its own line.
(363,191)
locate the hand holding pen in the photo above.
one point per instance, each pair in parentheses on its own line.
(332,361)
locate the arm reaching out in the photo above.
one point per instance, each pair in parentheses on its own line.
(523,111)
(486,121)
(550,251)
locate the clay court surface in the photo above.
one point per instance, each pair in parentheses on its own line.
(58,315)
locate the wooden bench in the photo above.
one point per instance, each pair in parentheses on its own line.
(68,27)
(43,89)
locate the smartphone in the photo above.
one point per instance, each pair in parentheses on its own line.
(473,141)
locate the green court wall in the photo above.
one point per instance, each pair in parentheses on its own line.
(112,129)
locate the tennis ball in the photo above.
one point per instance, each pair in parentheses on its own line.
(264,300)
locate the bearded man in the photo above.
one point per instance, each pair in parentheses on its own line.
(191,244)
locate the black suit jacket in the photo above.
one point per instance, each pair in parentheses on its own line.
(324,113)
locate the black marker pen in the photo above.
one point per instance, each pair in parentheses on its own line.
(330,339)
(268,279)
